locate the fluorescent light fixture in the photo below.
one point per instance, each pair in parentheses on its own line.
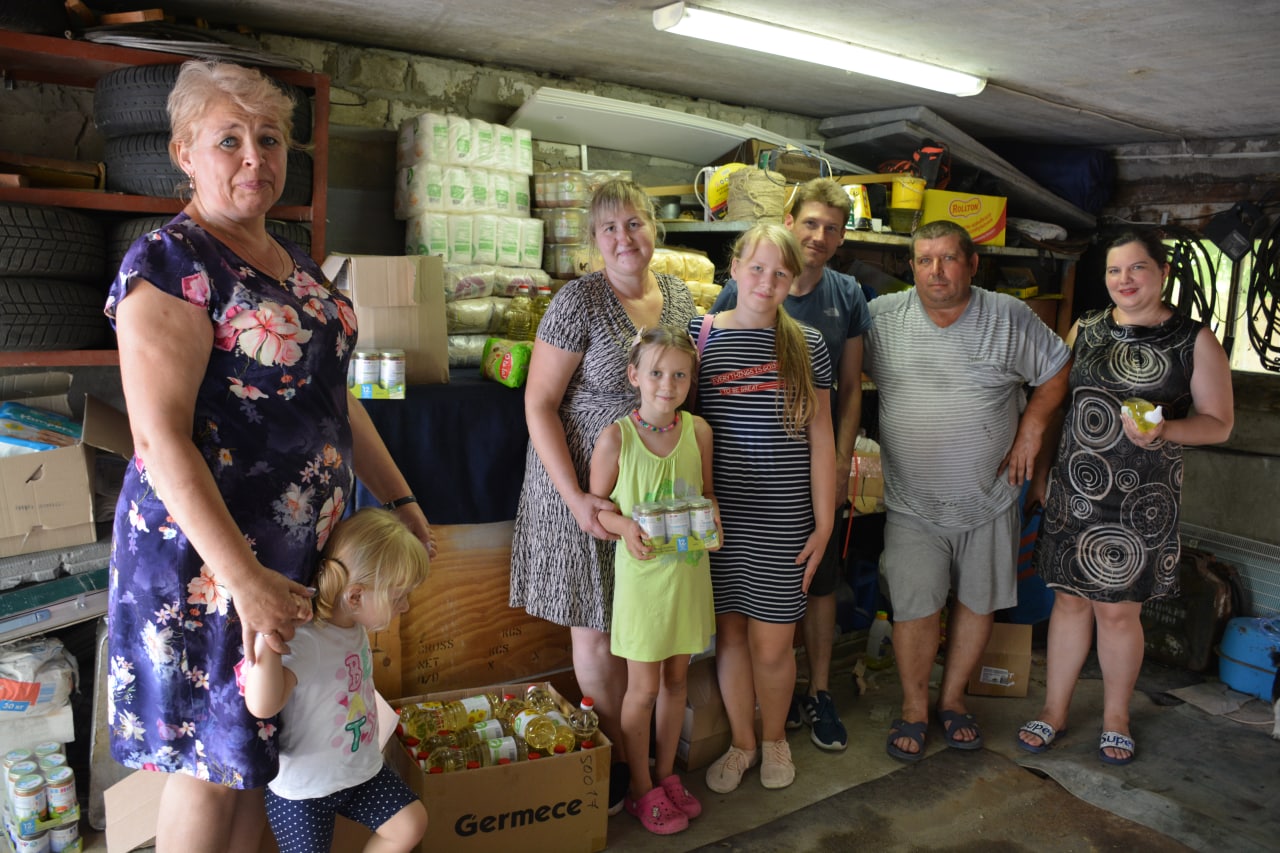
(734,31)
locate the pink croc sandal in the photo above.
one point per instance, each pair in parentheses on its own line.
(657,814)
(680,796)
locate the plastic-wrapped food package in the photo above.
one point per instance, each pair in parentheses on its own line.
(482,142)
(504,147)
(509,241)
(500,192)
(470,316)
(567,225)
(484,238)
(524,151)
(520,195)
(466,350)
(410,193)
(507,279)
(531,231)
(461,238)
(699,268)
(457,190)
(481,181)
(469,281)
(460,139)
(506,362)
(427,234)
(423,138)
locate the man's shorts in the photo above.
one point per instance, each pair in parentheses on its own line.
(921,564)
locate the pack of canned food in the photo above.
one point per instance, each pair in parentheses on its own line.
(678,524)
(41,809)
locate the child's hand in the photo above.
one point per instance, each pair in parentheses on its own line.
(637,544)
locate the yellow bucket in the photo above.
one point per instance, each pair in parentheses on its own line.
(906,197)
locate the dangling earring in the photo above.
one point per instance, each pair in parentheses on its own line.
(191,181)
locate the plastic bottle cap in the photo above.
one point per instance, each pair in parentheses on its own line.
(436,770)
(534,755)
(504,760)
(410,740)
(588,744)
(472,765)
(560,750)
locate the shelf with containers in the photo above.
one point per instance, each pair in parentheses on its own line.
(43,59)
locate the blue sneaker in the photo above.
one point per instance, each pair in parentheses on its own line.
(795,714)
(827,732)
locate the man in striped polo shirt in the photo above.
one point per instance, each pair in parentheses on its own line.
(958,437)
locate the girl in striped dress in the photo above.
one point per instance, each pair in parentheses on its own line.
(764,387)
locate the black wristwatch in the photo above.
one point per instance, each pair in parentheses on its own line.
(399,502)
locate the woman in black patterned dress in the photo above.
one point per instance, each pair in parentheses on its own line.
(561,558)
(1109,537)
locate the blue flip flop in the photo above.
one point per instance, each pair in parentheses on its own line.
(955,721)
(1047,734)
(1116,740)
(915,731)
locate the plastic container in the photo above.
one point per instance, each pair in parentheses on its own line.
(1244,657)
(540,303)
(880,642)
(545,730)
(584,721)
(519,322)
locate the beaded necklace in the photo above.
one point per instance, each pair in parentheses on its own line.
(635,415)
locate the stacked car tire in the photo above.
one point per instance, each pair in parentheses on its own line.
(51,279)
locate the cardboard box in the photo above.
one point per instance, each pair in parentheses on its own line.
(983,216)
(133,803)
(559,803)
(705,733)
(399,303)
(866,482)
(1005,667)
(46,498)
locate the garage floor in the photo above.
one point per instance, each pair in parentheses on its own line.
(1201,782)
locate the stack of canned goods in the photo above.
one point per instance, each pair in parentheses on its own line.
(377,374)
(41,790)
(672,523)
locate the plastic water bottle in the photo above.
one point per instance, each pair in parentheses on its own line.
(519,318)
(540,303)
(584,721)
(880,642)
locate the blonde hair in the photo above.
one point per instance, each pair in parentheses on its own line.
(371,548)
(664,338)
(202,81)
(795,371)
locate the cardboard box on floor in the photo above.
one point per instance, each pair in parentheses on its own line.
(559,803)
(133,804)
(46,498)
(399,302)
(705,733)
(1005,668)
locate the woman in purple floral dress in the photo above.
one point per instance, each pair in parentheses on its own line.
(233,356)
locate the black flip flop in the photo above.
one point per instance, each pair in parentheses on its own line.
(954,721)
(914,731)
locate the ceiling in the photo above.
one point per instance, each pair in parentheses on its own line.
(1091,72)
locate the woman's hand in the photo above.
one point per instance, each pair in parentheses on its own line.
(412,517)
(270,604)
(586,509)
(1137,436)
(637,543)
(810,556)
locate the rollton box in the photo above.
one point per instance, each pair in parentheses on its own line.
(558,803)
(983,216)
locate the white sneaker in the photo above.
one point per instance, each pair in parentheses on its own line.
(777,769)
(725,773)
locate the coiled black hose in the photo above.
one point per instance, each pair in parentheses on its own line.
(1263,300)
(1192,285)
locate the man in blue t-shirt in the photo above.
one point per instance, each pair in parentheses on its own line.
(833,303)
